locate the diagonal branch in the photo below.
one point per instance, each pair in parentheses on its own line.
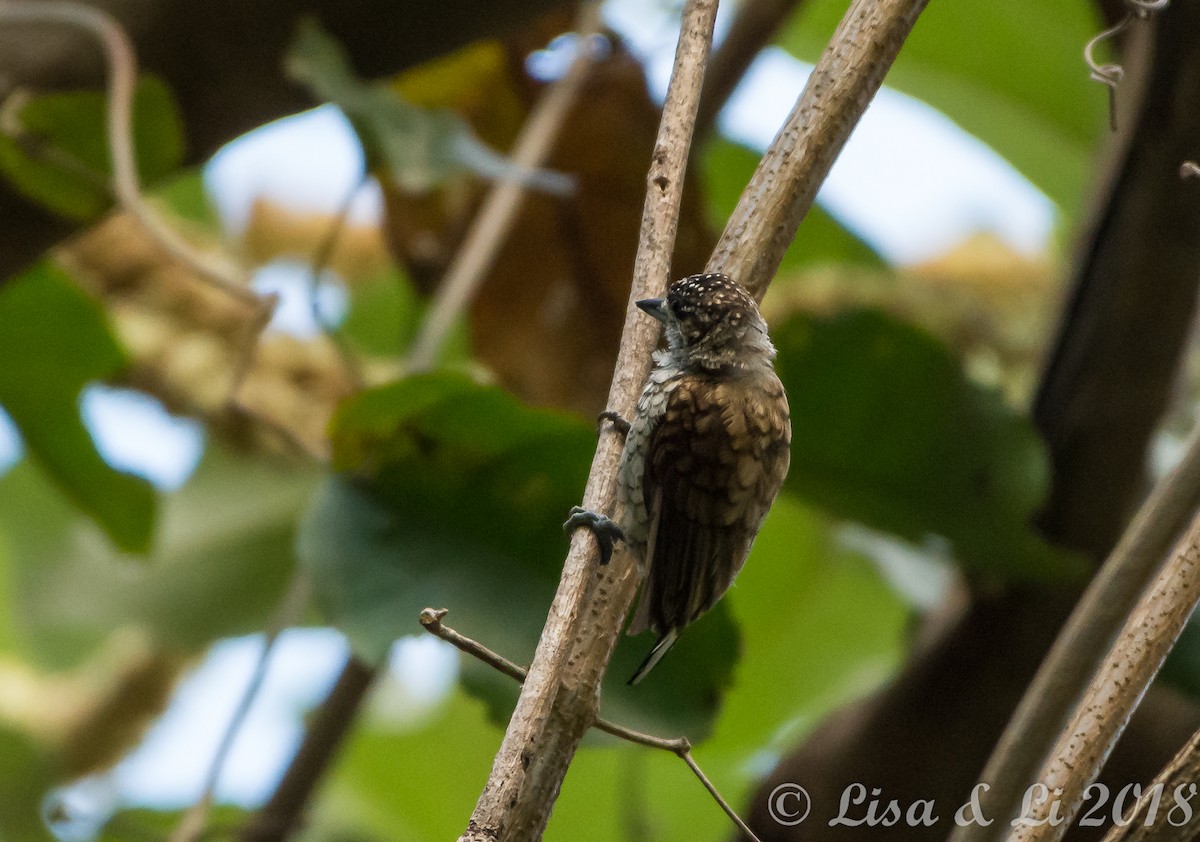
(283,813)
(191,827)
(1146,822)
(1117,687)
(559,699)
(1110,598)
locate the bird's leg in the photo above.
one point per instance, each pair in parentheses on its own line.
(603,527)
(619,423)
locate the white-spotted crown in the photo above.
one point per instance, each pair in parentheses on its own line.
(714,322)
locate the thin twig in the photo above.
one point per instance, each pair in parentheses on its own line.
(191,826)
(784,186)
(1125,672)
(712,790)
(500,209)
(1083,641)
(754,24)
(122,80)
(431,621)
(585,616)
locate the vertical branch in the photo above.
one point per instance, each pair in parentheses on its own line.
(558,701)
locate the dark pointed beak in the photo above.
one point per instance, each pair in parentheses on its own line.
(656,307)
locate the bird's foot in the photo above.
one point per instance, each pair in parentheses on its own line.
(619,423)
(603,527)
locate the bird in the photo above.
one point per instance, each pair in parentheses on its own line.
(704,457)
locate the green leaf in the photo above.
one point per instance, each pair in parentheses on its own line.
(821,628)
(384,314)
(886,430)
(187,197)
(417,148)
(55,341)
(454,498)
(27,773)
(821,239)
(9,635)
(63,160)
(1009,73)
(139,824)
(222,561)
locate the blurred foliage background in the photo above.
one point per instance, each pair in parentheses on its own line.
(918,472)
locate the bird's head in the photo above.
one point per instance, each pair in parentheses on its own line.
(711,322)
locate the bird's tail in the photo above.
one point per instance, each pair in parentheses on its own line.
(664,643)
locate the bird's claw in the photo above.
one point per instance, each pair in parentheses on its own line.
(603,527)
(619,423)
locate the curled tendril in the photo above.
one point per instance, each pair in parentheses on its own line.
(1110,75)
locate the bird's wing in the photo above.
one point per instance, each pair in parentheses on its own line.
(712,469)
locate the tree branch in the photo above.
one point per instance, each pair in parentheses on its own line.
(321,258)
(191,826)
(1150,819)
(1083,641)
(1117,687)
(1112,368)
(557,705)
(431,621)
(122,80)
